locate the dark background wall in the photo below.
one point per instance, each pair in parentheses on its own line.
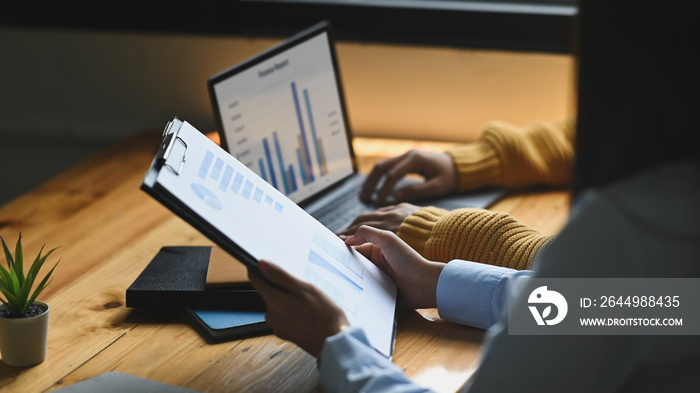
(68,92)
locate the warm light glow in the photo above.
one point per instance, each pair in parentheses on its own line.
(440,379)
(214,136)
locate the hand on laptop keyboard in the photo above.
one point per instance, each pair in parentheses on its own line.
(387,217)
(437,169)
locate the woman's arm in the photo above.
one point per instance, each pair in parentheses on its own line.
(478,235)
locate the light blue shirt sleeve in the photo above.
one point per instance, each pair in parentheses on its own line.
(469,293)
(474,294)
(349,364)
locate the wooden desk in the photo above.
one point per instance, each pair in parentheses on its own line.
(109,230)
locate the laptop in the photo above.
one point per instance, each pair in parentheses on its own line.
(282,113)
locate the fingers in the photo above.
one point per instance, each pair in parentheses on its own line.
(296,311)
(365,250)
(388,217)
(273,284)
(277,302)
(415,276)
(367,234)
(257,279)
(410,162)
(391,171)
(392,249)
(367,241)
(435,186)
(375,176)
(436,168)
(376,256)
(353,227)
(279,276)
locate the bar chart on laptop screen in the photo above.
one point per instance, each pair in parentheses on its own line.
(283,119)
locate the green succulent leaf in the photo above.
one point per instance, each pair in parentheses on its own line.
(14,285)
(19,259)
(8,254)
(4,276)
(42,285)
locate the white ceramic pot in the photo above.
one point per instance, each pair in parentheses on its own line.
(23,340)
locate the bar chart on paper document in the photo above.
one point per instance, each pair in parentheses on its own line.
(329,266)
(213,173)
(335,272)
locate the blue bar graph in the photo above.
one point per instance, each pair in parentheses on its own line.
(263,172)
(301,172)
(247,189)
(225,175)
(281,162)
(319,261)
(223,185)
(292,178)
(206,163)
(257,196)
(319,157)
(218,166)
(237,182)
(305,146)
(268,157)
(301,168)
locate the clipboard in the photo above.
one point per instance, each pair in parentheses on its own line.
(164,160)
(251,220)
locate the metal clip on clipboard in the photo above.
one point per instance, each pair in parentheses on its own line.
(170,134)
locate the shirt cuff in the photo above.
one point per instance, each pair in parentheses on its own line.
(349,364)
(472,293)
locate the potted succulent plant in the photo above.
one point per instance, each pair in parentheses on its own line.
(24,321)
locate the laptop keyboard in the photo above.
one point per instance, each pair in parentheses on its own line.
(339,213)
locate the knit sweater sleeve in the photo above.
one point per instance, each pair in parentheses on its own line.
(512,157)
(471,234)
(503,156)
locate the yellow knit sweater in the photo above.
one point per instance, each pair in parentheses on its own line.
(504,156)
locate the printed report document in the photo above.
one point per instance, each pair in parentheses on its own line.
(250,219)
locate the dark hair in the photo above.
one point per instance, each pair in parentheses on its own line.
(638,88)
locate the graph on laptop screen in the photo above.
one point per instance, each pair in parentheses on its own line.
(283,119)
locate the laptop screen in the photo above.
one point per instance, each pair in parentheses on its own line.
(282,114)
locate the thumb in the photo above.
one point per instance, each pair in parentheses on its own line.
(366,234)
(278,276)
(430,188)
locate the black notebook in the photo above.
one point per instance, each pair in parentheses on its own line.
(176,278)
